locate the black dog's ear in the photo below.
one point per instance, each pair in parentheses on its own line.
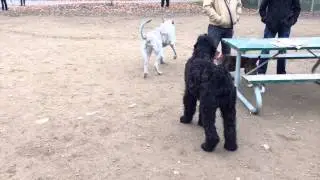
(195,45)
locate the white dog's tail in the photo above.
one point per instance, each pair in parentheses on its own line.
(141,28)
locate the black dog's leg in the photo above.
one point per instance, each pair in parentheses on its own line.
(228,112)
(208,116)
(199,121)
(190,103)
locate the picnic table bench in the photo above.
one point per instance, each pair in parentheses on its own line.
(243,45)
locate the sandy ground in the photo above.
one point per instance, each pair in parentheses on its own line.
(74,105)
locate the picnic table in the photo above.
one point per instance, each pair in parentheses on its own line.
(243,45)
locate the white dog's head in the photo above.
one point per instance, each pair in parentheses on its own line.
(168,29)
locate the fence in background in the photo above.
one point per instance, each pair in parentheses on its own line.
(306,5)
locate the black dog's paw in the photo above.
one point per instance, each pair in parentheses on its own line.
(200,123)
(184,121)
(231,146)
(209,147)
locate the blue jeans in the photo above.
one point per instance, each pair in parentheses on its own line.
(217,33)
(283,32)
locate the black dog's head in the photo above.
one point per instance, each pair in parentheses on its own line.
(204,46)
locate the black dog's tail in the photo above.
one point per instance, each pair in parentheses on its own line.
(220,80)
(221,92)
(224,83)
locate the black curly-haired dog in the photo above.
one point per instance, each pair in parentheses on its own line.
(212,85)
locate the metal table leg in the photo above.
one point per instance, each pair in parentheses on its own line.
(237,74)
(243,99)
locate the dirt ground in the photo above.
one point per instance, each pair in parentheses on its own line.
(74,105)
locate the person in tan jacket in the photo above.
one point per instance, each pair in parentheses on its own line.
(223,15)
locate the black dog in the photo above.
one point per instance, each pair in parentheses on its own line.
(213,86)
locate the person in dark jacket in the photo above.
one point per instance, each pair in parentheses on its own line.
(278,16)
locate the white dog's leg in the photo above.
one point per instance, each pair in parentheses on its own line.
(146,53)
(173,47)
(162,56)
(158,61)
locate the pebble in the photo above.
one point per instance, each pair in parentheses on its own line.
(266,146)
(91,113)
(132,105)
(42,121)
(175,172)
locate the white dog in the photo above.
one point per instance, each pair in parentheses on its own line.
(155,41)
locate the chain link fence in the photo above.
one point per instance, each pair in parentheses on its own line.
(56,2)
(306,5)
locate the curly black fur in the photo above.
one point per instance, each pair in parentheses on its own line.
(212,85)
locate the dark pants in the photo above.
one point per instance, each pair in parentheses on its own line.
(283,32)
(4,5)
(23,2)
(167,3)
(217,33)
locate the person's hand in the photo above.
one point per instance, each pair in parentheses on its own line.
(217,19)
